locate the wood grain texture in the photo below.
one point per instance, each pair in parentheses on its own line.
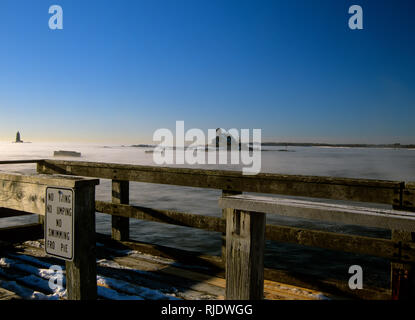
(162,216)
(81,272)
(345,214)
(8,295)
(120,226)
(366,190)
(385,248)
(245,243)
(408,196)
(27,192)
(22,196)
(224,215)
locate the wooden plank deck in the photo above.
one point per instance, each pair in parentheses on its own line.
(125,275)
(8,295)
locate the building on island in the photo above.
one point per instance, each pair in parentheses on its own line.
(18,140)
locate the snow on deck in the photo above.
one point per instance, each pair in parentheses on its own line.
(26,273)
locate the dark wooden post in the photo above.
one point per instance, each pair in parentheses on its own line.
(245,243)
(81,273)
(120,225)
(41,220)
(224,216)
(403,274)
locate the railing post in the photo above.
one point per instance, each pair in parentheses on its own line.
(41,220)
(120,195)
(224,215)
(403,274)
(81,273)
(245,243)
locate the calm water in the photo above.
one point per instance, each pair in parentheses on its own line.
(386,164)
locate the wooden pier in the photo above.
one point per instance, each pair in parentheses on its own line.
(239,273)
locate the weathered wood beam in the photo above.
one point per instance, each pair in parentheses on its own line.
(365,190)
(245,245)
(120,226)
(6,213)
(8,295)
(81,273)
(27,192)
(403,273)
(20,161)
(22,233)
(163,216)
(385,248)
(345,214)
(408,197)
(224,215)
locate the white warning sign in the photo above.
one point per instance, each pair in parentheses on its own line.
(59,223)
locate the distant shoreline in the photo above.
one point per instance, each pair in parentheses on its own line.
(345,145)
(312,144)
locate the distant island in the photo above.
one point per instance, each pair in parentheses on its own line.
(314,144)
(338,145)
(143,146)
(18,139)
(65,153)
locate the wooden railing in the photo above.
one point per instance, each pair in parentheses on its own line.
(399,195)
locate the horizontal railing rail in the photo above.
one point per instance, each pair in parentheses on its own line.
(384,248)
(394,193)
(21,161)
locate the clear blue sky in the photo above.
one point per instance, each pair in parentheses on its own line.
(121,69)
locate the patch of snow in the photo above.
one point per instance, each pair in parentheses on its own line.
(161,260)
(4,263)
(38,278)
(35,244)
(115,265)
(26,293)
(33,260)
(129,288)
(41,296)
